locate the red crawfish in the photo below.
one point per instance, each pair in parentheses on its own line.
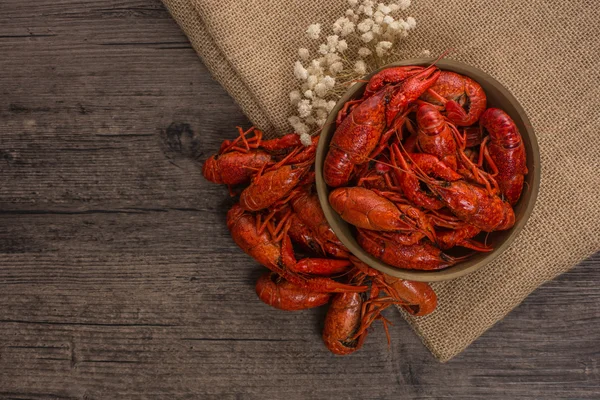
(238,160)
(410,184)
(273,186)
(388,76)
(234,167)
(436,136)
(348,318)
(276,253)
(418,298)
(301,234)
(409,90)
(358,135)
(463,98)
(440,138)
(308,209)
(355,139)
(473,204)
(366,209)
(279,293)
(460,236)
(504,152)
(421,256)
(342,322)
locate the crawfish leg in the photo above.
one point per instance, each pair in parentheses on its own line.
(395,128)
(484,153)
(474,245)
(343,113)
(251,143)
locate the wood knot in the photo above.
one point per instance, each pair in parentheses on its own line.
(180,138)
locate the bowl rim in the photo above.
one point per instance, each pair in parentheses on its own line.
(455,271)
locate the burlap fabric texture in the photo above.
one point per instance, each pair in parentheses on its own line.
(546,52)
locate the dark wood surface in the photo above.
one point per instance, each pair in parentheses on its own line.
(118,278)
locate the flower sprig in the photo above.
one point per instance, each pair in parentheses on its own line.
(363,39)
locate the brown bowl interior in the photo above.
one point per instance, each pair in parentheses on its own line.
(497,96)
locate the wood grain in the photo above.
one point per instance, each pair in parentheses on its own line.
(118,278)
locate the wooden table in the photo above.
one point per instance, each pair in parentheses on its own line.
(118,278)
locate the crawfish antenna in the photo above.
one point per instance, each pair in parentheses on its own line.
(444,54)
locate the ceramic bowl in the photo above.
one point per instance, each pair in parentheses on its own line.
(497,96)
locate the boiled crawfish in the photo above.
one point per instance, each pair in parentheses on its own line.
(463,99)
(505,152)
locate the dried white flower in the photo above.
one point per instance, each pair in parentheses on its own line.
(329,81)
(331,58)
(395,26)
(330,105)
(381,7)
(295,97)
(367,37)
(322,113)
(303,53)
(315,67)
(319,103)
(342,46)
(301,129)
(365,25)
(336,67)
(332,42)
(403,4)
(382,48)
(360,67)
(337,25)
(294,120)
(313,31)
(425,53)
(348,28)
(364,52)
(299,71)
(305,139)
(388,19)
(304,108)
(340,60)
(311,81)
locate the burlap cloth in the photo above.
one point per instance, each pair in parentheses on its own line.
(546,52)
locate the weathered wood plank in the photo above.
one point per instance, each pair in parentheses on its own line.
(118,278)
